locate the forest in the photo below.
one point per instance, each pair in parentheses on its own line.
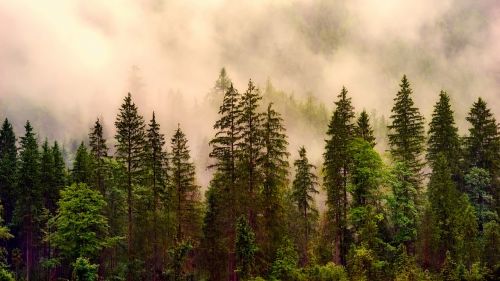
(130,208)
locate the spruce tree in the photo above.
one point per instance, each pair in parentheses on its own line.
(29,197)
(156,158)
(8,164)
(406,132)
(443,135)
(130,152)
(336,171)
(82,166)
(99,152)
(363,128)
(274,163)
(303,189)
(186,191)
(250,148)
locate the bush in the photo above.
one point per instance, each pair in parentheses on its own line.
(328,272)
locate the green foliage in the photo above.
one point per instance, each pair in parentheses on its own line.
(99,151)
(406,133)
(490,245)
(8,164)
(363,128)
(285,265)
(478,188)
(178,256)
(328,272)
(82,166)
(81,229)
(83,270)
(5,275)
(246,248)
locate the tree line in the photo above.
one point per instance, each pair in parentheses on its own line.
(426,211)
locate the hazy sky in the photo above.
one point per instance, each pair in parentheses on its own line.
(72,60)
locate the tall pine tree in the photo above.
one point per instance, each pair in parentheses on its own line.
(363,128)
(130,137)
(82,166)
(336,170)
(99,152)
(8,164)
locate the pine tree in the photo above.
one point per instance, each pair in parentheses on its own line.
(186,191)
(99,152)
(60,171)
(156,158)
(130,151)
(336,170)
(47,177)
(483,145)
(443,135)
(8,164)
(29,196)
(406,136)
(304,187)
(225,152)
(82,166)
(250,148)
(274,164)
(363,128)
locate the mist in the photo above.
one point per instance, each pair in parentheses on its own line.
(65,63)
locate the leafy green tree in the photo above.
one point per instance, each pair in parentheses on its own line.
(8,164)
(406,133)
(285,265)
(99,152)
(303,189)
(246,248)
(274,163)
(29,197)
(490,245)
(443,136)
(363,128)
(82,166)
(250,148)
(80,228)
(336,171)
(130,137)
(83,270)
(186,191)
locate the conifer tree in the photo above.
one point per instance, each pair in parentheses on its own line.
(130,151)
(406,136)
(274,163)
(336,171)
(363,128)
(99,152)
(60,171)
(47,177)
(250,148)
(304,187)
(156,158)
(443,135)
(29,196)
(477,188)
(245,248)
(186,190)
(82,166)
(483,145)
(8,164)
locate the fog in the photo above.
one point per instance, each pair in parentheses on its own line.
(65,63)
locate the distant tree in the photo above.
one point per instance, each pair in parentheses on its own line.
(336,171)
(443,136)
(29,197)
(363,128)
(99,152)
(8,164)
(303,189)
(47,177)
(406,133)
(245,248)
(186,191)
(130,137)
(82,166)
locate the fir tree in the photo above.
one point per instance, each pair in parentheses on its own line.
(99,152)
(8,164)
(82,166)
(250,148)
(336,170)
(29,196)
(406,136)
(130,151)
(186,190)
(363,128)
(274,163)
(304,187)
(443,135)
